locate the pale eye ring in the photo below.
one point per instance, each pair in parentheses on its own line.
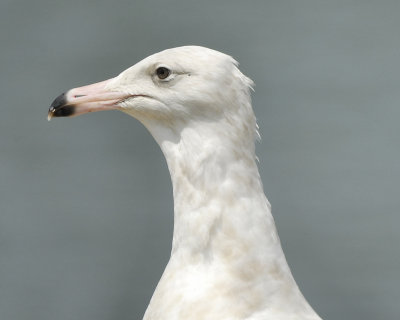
(163,72)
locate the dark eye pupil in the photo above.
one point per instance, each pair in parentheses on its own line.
(162,72)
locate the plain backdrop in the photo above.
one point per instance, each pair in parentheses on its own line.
(86,203)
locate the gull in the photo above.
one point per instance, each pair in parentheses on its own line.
(226,261)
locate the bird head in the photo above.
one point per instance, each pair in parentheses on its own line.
(176,85)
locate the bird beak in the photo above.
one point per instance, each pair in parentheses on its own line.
(91,98)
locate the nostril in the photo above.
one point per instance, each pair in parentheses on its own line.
(79,95)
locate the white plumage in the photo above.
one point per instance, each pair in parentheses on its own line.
(226,260)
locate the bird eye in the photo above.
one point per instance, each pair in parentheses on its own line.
(163,72)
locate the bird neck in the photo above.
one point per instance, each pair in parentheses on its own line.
(225,243)
(220,209)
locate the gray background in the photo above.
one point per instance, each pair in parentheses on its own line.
(86,203)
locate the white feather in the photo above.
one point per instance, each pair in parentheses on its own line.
(226,260)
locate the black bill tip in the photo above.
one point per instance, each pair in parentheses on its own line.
(60,108)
